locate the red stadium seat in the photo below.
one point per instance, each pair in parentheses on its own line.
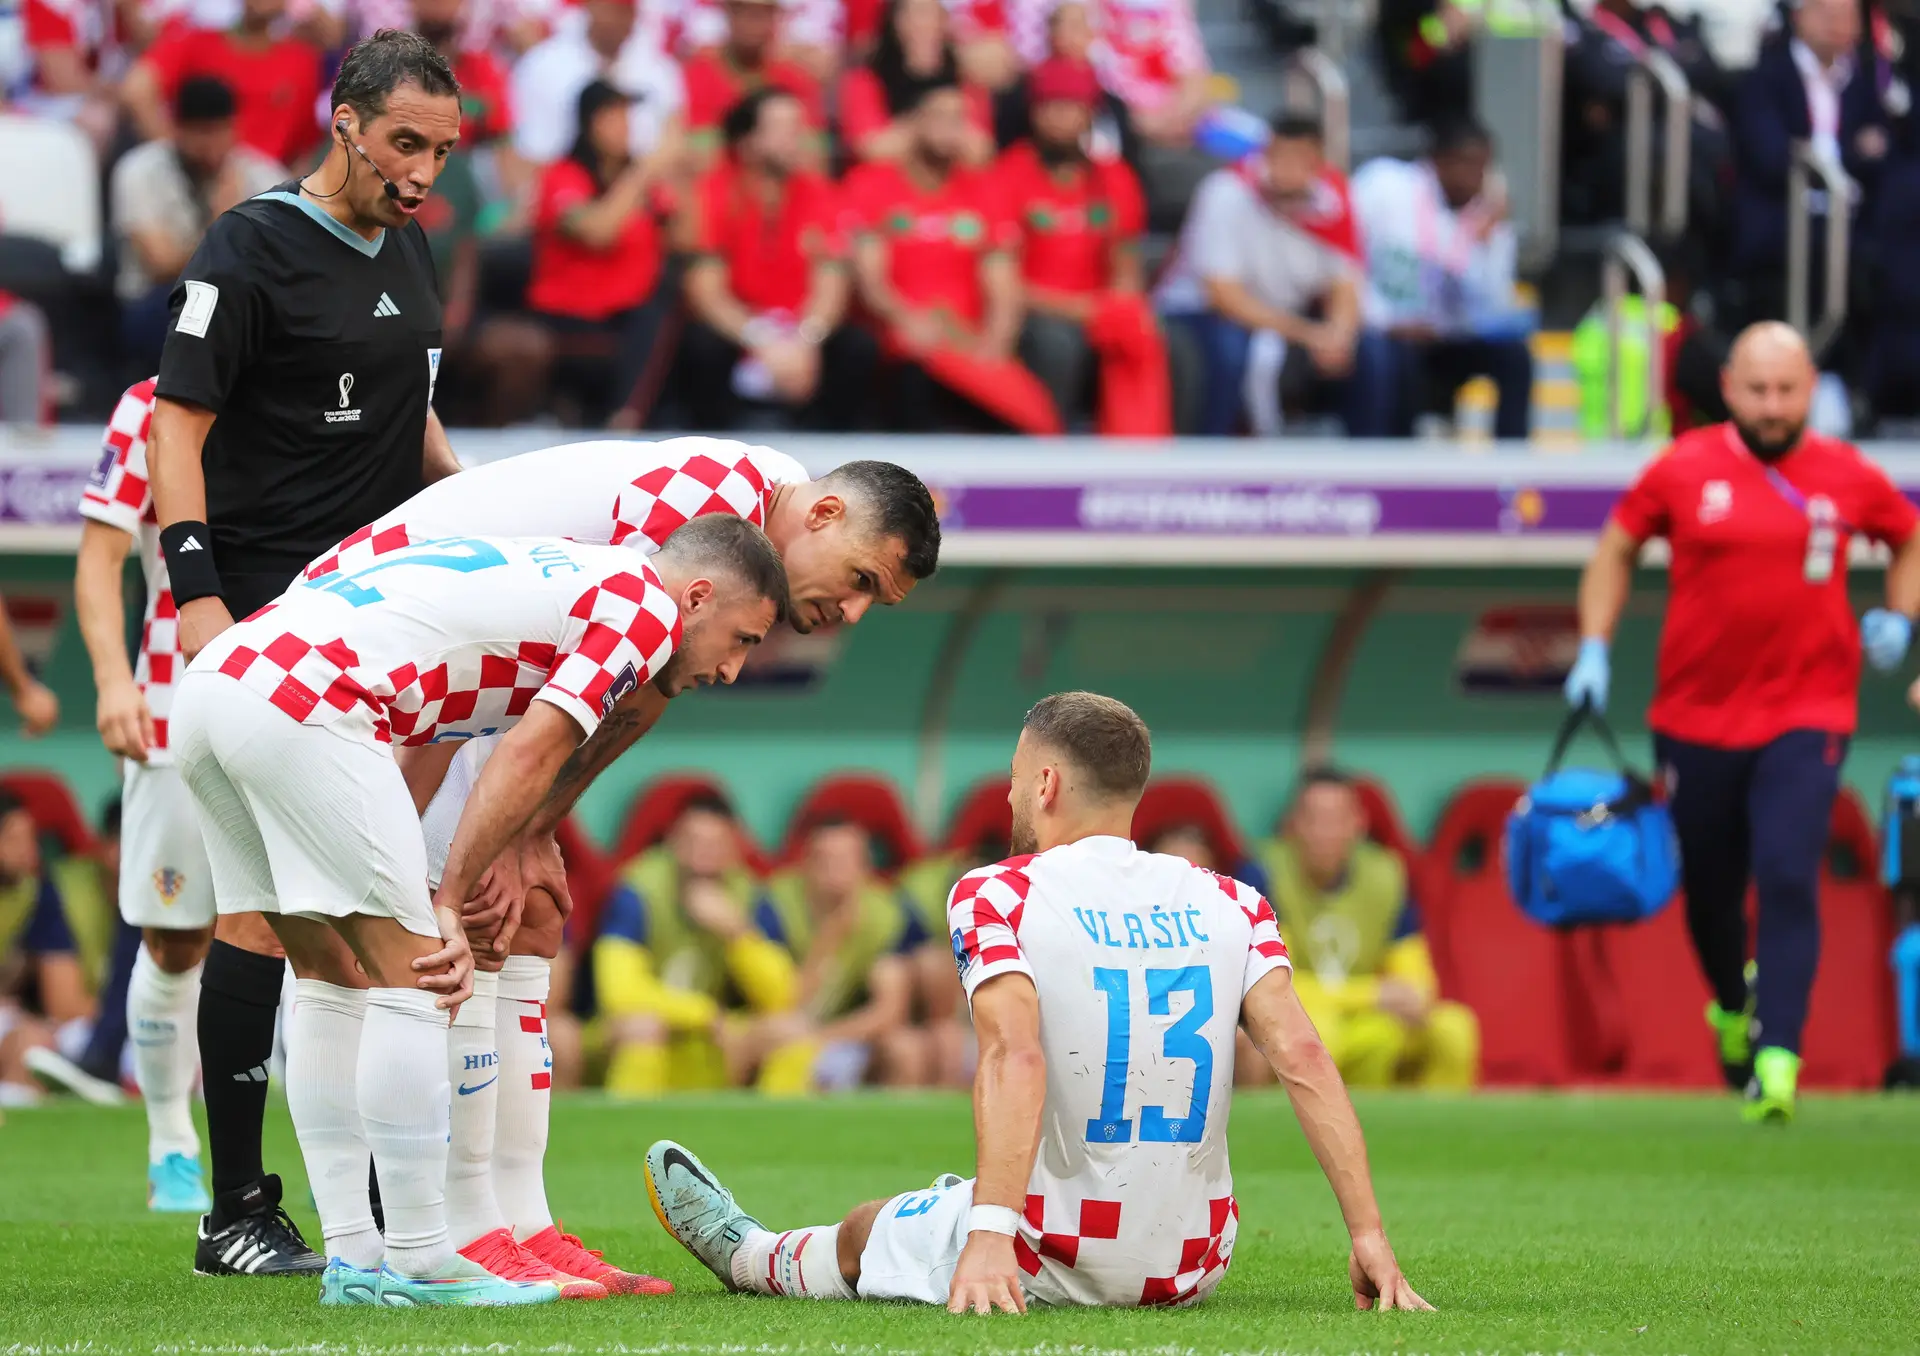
(590,876)
(1174,801)
(1511,971)
(1849,1038)
(983,814)
(1663,999)
(867,799)
(52,806)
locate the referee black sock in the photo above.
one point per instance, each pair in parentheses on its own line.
(239,1001)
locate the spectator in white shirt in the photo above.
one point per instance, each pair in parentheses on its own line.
(1439,301)
(598,41)
(1265,263)
(165,193)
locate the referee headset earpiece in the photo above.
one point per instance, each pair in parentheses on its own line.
(340,127)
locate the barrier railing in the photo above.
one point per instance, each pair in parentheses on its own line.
(1655,67)
(1834,198)
(1628,254)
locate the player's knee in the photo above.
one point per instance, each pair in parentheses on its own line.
(316,951)
(541,927)
(1250,1067)
(249,932)
(177,950)
(1453,1047)
(855,1230)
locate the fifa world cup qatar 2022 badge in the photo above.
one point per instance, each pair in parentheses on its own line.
(344,412)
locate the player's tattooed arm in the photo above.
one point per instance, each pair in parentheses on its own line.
(632,717)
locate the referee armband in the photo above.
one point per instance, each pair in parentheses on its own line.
(191,575)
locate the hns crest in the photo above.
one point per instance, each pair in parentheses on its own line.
(168,883)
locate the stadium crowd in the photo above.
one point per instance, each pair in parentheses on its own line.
(1028,214)
(703,961)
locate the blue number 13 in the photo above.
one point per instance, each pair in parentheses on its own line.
(465,554)
(1182,1041)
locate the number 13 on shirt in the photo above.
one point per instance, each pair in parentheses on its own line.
(1182,1041)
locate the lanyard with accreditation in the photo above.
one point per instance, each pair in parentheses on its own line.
(1824,523)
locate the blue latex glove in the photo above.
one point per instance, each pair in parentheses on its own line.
(1587,683)
(1884,636)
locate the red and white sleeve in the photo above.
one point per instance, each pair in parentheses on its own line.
(983,914)
(621,633)
(117,492)
(1265,951)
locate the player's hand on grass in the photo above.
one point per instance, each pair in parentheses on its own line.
(200,621)
(39,709)
(1375,1273)
(988,1277)
(125,724)
(448,971)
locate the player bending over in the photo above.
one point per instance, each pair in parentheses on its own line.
(1101,1182)
(285,726)
(863,534)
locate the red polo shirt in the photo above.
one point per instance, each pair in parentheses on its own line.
(485,111)
(715,84)
(863,106)
(1751,648)
(274,87)
(935,237)
(769,255)
(1068,224)
(570,278)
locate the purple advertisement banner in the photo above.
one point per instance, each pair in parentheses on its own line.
(37,495)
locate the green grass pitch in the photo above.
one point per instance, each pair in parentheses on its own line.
(1535,1224)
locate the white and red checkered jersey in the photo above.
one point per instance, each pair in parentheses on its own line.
(118,495)
(1141,49)
(1141,961)
(619,493)
(456,638)
(690,26)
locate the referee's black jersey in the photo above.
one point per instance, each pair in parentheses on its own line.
(317,350)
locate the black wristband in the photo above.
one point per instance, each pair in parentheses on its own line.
(188,549)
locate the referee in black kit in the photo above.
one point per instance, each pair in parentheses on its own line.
(294,406)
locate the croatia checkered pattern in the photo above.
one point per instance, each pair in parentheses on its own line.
(458,637)
(1142,49)
(1141,962)
(624,493)
(117,495)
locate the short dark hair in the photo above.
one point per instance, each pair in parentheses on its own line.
(203,99)
(10,803)
(706,803)
(1291,126)
(1101,737)
(901,506)
(722,543)
(1460,133)
(377,66)
(743,119)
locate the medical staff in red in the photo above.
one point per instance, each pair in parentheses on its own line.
(1756,691)
(1079,221)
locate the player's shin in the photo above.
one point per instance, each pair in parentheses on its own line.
(161,1010)
(323,1055)
(526,1094)
(474,1070)
(798,1264)
(403,1091)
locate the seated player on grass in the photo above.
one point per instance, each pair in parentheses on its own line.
(1361,967)
(1144,957)
(937,994)
(46,1003)
(852,945)
(679,954)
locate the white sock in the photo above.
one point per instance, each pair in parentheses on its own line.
(403,1104)
(161,1011)
(473,1065)
(526,1094)
(799,1264)
(323,1055)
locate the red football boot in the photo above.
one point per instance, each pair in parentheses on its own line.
(565,1253)
(499,1253)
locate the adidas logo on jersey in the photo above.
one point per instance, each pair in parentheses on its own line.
(385,306)
(191,544)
